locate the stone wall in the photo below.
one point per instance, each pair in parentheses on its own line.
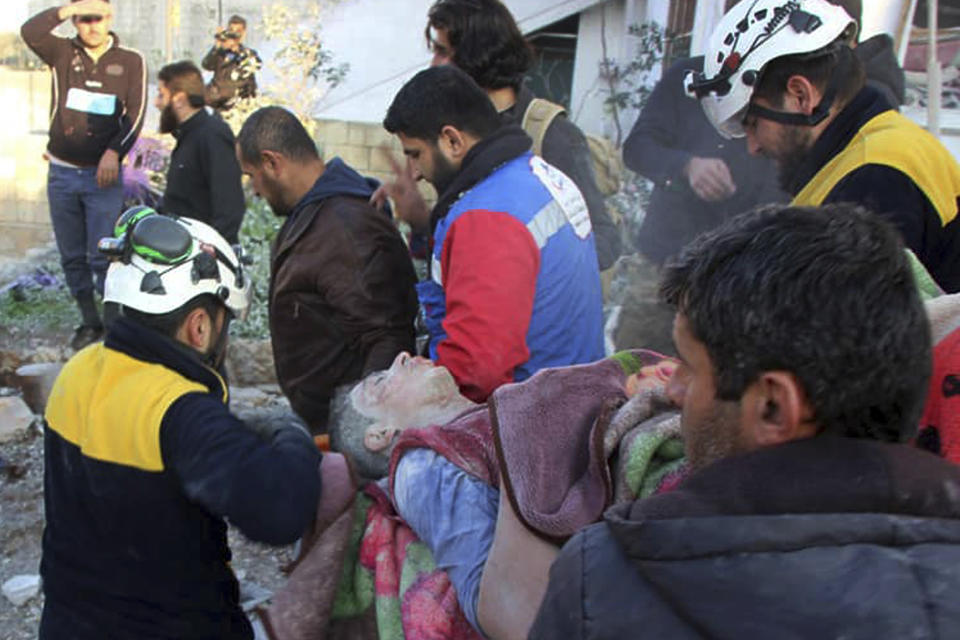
(359,145)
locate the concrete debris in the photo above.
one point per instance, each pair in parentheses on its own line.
(20,589)
(36,382)
(15,418)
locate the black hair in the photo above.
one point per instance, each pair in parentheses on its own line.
(184,76)
(275,129)
(236,19)
(827,294)
(169,323)
(818,67)
(486,41)
(438,97)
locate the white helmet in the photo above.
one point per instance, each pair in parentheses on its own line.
(750,35)
(162,262)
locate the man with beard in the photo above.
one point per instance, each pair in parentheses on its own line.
(805,355)
(203,179)
(482,38)
(342,300)
(514,285)
(784,76)
(97,111)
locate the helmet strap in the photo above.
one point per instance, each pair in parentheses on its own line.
(819,113)
(215,357)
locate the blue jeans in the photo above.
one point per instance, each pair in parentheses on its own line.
(454,514)
(82,213)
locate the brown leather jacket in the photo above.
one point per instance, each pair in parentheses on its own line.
(342,297)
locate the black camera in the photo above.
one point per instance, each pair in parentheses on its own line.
(227,35)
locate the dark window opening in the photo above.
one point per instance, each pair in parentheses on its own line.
(555,48)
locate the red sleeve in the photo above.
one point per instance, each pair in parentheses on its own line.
(489,266)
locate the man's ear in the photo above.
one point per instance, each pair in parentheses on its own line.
(272,162)
(775,410)
(197,329)
(378,436)
(453,142)
(803,94)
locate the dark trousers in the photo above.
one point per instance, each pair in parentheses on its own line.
(82,213)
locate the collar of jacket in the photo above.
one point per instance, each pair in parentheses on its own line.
(514,113)
(337,179)
(864,106)
(193,122)
(114,44)
(484,158)
(147,345)
(820,475)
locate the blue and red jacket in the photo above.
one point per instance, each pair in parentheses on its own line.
(514,283)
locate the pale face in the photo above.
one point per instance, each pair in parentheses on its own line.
(711,427)
(93,30)
(440,46)
(412,386)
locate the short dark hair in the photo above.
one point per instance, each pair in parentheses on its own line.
(438,97)
(486,41)
(184,76)
(275,129)
(235,19)
(818,67)
(169,323)
(827,294)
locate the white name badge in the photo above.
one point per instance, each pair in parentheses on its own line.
(566,193)
(101,104)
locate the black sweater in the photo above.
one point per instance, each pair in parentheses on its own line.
(203,180)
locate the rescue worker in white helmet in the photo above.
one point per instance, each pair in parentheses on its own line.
(144,461)
(782,73)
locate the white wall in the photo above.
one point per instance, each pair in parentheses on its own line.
(383,42)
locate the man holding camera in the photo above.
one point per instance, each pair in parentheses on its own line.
(234,66)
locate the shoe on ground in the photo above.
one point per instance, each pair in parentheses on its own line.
(84,335)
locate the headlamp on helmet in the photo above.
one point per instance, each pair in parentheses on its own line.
(162,262)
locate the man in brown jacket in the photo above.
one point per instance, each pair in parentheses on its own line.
(342,297)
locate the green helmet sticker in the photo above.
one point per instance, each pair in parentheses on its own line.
(130,217)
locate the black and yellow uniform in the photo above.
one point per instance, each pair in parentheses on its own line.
(873,156)
(143,463)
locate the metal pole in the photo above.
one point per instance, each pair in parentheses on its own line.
(219,12)
(934,81)
(168,36)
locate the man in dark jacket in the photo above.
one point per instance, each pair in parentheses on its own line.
(482,38)
(699,177)
(234,66)
(342,298)
(805,356)
(144,462)
(203,180)
(800,98)
(99,91)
